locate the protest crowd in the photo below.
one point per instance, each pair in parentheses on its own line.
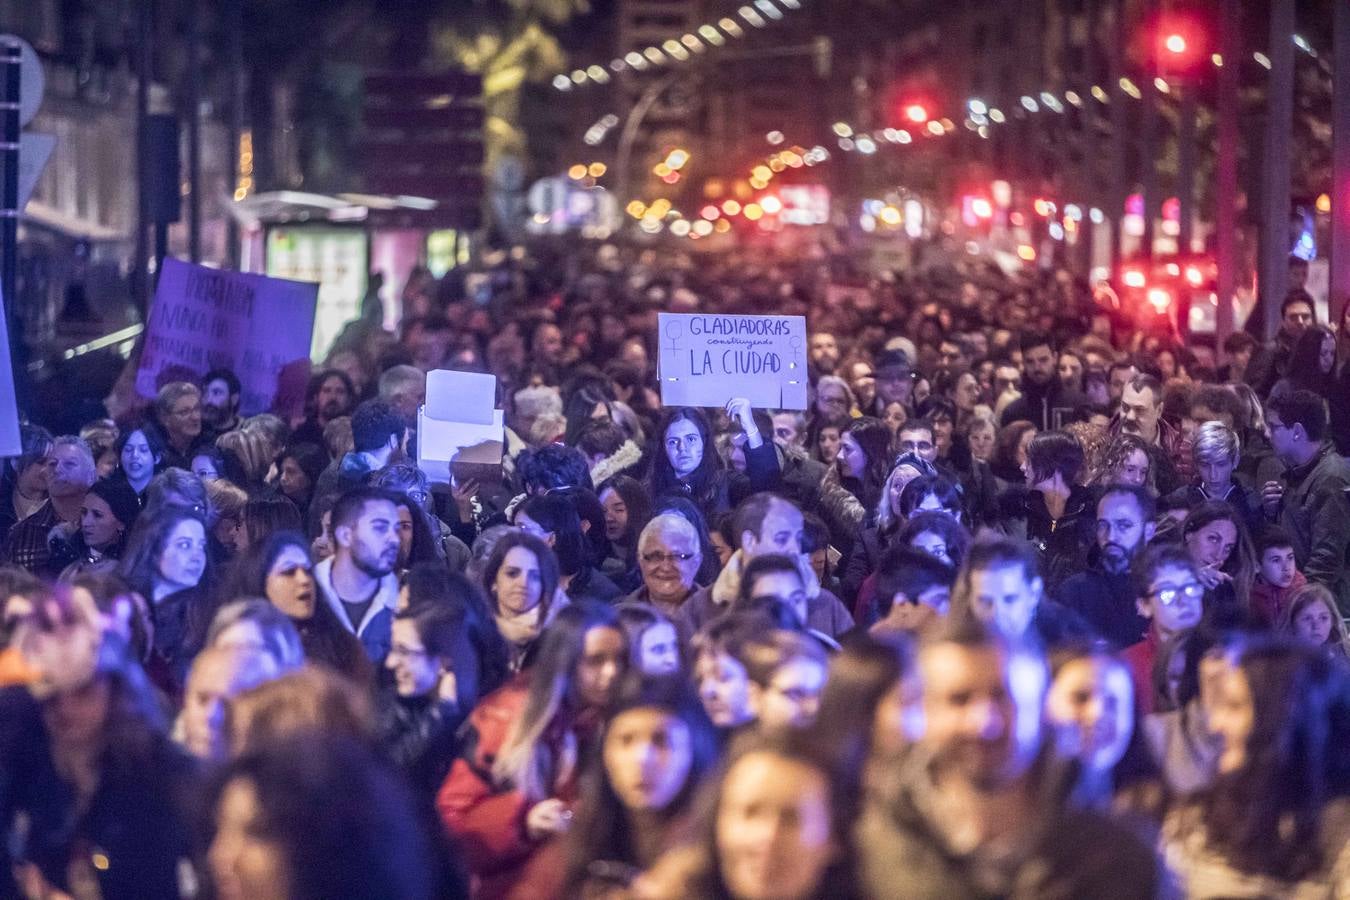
(1030,601)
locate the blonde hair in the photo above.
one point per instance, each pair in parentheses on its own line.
(252,447)
(227,499)
(1306,595)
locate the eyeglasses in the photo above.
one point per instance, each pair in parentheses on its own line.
(655,557)
(403,651)
(1167,596)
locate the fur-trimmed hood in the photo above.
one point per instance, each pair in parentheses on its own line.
(626,457)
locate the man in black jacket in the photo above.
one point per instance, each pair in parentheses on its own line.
(1045,402)
(1105,594)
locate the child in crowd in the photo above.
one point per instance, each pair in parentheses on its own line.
(1278,577)
(1311,615)
(1171,597)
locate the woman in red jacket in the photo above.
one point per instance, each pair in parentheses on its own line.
(512,789)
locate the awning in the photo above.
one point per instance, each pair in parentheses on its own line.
(39,213)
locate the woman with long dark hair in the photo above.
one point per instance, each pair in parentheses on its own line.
(279,569)
(656,748)
(140,455)
(109,511)
(785,779)
(298,471)
(554,520)
(864,460)
(628,509)
(1273,823)
(1216,540)
(685,460)
(417,544)
(515,787)
(522,583)
(167,563)
(1312,364)
(317,816)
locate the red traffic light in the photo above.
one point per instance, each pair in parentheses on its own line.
(1181,39)
(916,113)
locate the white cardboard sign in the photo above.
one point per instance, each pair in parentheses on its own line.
(707,360)
(458,427)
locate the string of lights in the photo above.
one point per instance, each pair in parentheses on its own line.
(756,14)
(979,117)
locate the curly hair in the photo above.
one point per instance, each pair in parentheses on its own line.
(1114,456)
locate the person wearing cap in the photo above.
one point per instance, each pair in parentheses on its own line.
(894,379)
(110,508)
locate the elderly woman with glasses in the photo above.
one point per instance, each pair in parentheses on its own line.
(669,556)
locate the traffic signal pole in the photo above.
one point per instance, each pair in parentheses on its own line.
(1275,235)
(1226,181)
(1340,162)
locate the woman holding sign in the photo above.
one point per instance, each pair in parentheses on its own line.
(685,465)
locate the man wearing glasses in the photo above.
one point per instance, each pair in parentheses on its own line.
(1172,598)
(178,408)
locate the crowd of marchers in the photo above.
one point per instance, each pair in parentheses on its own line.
(1032,601)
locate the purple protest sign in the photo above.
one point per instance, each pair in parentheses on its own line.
(258,327)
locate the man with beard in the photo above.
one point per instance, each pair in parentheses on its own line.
(824,353)
(328,396)
(1105,594)
(954,356)
(1045,402)
(358,582)
(220,400)
(979,807)
(1140,414)
(1271,362)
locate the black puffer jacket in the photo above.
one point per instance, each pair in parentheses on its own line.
(418,734)
(1062,544)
